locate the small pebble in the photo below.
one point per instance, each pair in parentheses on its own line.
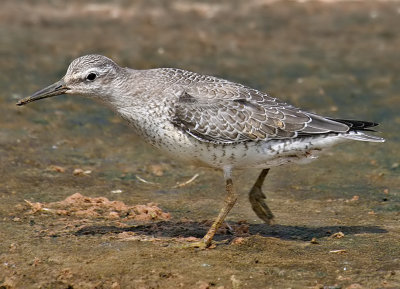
(337,235)
(238,241)
(156,170)
(54,168)
(353,199)
(13,247)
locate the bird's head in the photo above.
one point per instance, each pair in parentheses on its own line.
(89,75)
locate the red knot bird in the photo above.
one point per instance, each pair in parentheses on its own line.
(208,121)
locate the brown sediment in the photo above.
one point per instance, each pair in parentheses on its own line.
(81,206)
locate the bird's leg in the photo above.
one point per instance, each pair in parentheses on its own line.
(229,202)
(257,197)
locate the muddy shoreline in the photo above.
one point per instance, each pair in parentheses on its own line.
(337,219)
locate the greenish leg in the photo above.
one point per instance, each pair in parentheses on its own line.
(257,199)
(229,202)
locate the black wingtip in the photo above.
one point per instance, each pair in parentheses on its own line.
(357,124)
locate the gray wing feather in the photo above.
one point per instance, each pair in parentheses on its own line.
(249,115)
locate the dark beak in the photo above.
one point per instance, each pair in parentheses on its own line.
(55,89)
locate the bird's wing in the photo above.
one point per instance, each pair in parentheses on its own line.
(249,115)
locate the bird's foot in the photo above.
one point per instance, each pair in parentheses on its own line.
(259,206)
(201,244)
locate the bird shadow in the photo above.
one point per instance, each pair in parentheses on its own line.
(199,229)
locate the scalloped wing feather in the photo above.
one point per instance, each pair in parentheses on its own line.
(246,115)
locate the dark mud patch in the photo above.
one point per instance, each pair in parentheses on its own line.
(228,232)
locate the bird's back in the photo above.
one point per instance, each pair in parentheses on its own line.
(219,111)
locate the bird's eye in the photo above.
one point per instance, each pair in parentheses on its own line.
(91,76)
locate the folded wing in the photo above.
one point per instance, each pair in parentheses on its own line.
(247,116)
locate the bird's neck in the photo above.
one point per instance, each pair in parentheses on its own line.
(138,96)
(132,89)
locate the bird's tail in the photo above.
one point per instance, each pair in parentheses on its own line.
(357,129)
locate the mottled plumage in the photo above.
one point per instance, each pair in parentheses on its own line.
(208,121)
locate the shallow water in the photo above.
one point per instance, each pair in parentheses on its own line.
(337,59)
